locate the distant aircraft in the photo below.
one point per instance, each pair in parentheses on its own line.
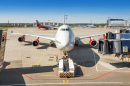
(47,27)
(83,26)
(64,38)
(92,26)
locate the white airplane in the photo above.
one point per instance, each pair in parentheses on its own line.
(64,39)
(92,26)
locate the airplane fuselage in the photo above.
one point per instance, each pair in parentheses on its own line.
(64,38)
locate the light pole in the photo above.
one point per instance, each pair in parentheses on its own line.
(8,22)
(66,18)
(108,21)
(48,22)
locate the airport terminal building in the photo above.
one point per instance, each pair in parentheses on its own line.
(117,23)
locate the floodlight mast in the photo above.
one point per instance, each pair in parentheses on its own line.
(64,19)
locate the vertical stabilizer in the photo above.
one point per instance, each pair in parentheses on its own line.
(37,23)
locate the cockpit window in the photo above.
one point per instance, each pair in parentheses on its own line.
(62,29)
(65,29)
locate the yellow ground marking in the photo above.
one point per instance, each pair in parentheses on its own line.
(83,75)
(50,63)
(23,63)
(60,57)
(65,81)
(40,59)
(50,59)
(35,57)
(34,64)
(47,48)
(28,57)
(47,75)
(87,75)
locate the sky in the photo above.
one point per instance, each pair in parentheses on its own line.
(78,11)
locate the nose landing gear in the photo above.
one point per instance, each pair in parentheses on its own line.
(66,66)
(65,54)
(76,43)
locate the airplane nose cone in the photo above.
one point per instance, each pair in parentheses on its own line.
(63,40)
(64,44)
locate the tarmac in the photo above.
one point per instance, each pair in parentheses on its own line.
(28,65)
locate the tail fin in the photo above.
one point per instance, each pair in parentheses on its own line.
(37,23)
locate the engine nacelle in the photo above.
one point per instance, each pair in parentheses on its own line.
(104,37)
(36,42)
(4,37)
(93,42)
(21,39)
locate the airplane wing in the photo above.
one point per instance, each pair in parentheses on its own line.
(40,36)
(89,36)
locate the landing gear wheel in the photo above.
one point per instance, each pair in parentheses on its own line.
(1,66)
(76,43)
(51,43)
(65,54)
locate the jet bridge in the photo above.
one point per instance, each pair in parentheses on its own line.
(116,43)
(3,35)
(66,67)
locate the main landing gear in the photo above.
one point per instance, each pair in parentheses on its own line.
(51,43)
(76,43)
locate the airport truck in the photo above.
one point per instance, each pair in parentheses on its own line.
(66,68)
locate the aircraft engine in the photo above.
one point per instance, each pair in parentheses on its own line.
(93,42)
(21,39)
(36,42)
(4,37)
